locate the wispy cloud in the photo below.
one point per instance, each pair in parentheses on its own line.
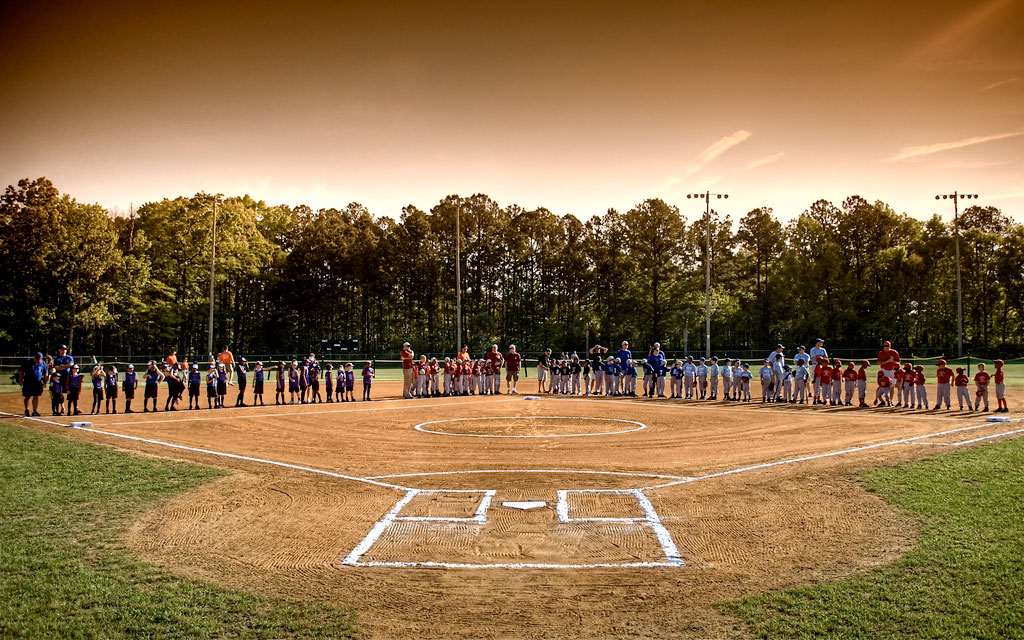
(980,164)
(928,149)
(956,44)
(717,149)
(998,84)
(667,185)
(1006,196)
(760,162)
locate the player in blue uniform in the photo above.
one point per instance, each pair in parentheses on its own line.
(195,385)
(258,377)
(153,377)
(129,384)
(242,373)
(74,390)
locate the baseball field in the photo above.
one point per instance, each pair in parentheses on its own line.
(501,516)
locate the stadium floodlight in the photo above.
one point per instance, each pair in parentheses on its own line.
(956,197)
(706,196)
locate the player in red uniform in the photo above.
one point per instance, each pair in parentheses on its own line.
(850,383)
(981,380)
(922,392)
(1000,388)
(884,384)
(819,369)
(826,383)
(837,382)
(962,394)
(896,383)
(943,376)
(862,383)
(889,361)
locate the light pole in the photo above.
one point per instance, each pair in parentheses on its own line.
(707,265)
(458,280)
(213,262)
(955,196)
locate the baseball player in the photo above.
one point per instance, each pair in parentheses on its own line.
(726,371)
(850,383)
(1000,388)
(837,382)
(943,377)
(714,370)
(702,379)
(765,372)
(862,383)
(922,392)
(800,376)
(676,385)
(981,380)
(689,376)
(962,394)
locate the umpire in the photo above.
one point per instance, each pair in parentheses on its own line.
(32,378)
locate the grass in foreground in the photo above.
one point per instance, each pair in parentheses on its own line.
(965,578)
(64,506)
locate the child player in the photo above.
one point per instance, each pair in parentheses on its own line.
(726,371)
(211,387)
(110,386)
(882,396)
(329,382)
(922,392)
(129,384)
(242,371)
(981,380)
(765,372)
(702,379)
(943,377)
(153,377)
(368,374)
(279,397)
(97,389)
(195,385)
(74,390)
(350,382)
(258,378)
(713,371)
(56,394)
(837,382)
(1000,388)
(962,394)
(850,382)
(862,383)
(745,377)
(677,380)
(800,381)
(825,382)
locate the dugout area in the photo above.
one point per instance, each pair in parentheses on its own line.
(354,504)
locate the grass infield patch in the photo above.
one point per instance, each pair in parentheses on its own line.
(965,578)
(64,507)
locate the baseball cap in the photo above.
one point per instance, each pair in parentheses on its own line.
(802,348)
(150,363)
(195,366)
(819,339)
(657,344)
(39,355)
(130,367)
(511,346)
(242,360)
(942,363)
(779,346)
(220,365)
(74,367)
(405,344)
(63,346)
(624,342)
(886,344)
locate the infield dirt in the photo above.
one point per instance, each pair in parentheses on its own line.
(287,531)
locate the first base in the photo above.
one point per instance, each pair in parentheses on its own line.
(997,419)
(531,397)
(78,425)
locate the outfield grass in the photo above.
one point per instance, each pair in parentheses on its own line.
(64,507)
(965,578)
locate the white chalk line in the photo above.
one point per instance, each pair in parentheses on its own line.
(482,471)
(419,427)
(766,465)
(958,444)
(649,519)
(769,408)
(236,456)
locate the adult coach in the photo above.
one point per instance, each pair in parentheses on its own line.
(32,378)
(513,361)
(62,364)
(227,359)
(624,354)
(407,355)
(888,360)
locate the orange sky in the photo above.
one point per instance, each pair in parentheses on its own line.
(574,106)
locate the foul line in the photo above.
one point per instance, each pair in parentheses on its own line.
(849,413)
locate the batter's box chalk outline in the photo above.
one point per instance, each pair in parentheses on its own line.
(650,519)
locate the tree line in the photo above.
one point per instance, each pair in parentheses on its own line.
(288,277)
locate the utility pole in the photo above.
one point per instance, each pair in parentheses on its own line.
(458,279)
(213,262)
(706,196)
(959,292)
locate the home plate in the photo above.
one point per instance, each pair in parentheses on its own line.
(997,419)
(79,425)
(525,505)
(531,397)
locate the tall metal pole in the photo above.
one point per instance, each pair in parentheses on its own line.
(213,262)
(458,280)
(706,196)
(959,292)
(956,195)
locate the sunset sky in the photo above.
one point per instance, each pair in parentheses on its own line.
(574,106)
